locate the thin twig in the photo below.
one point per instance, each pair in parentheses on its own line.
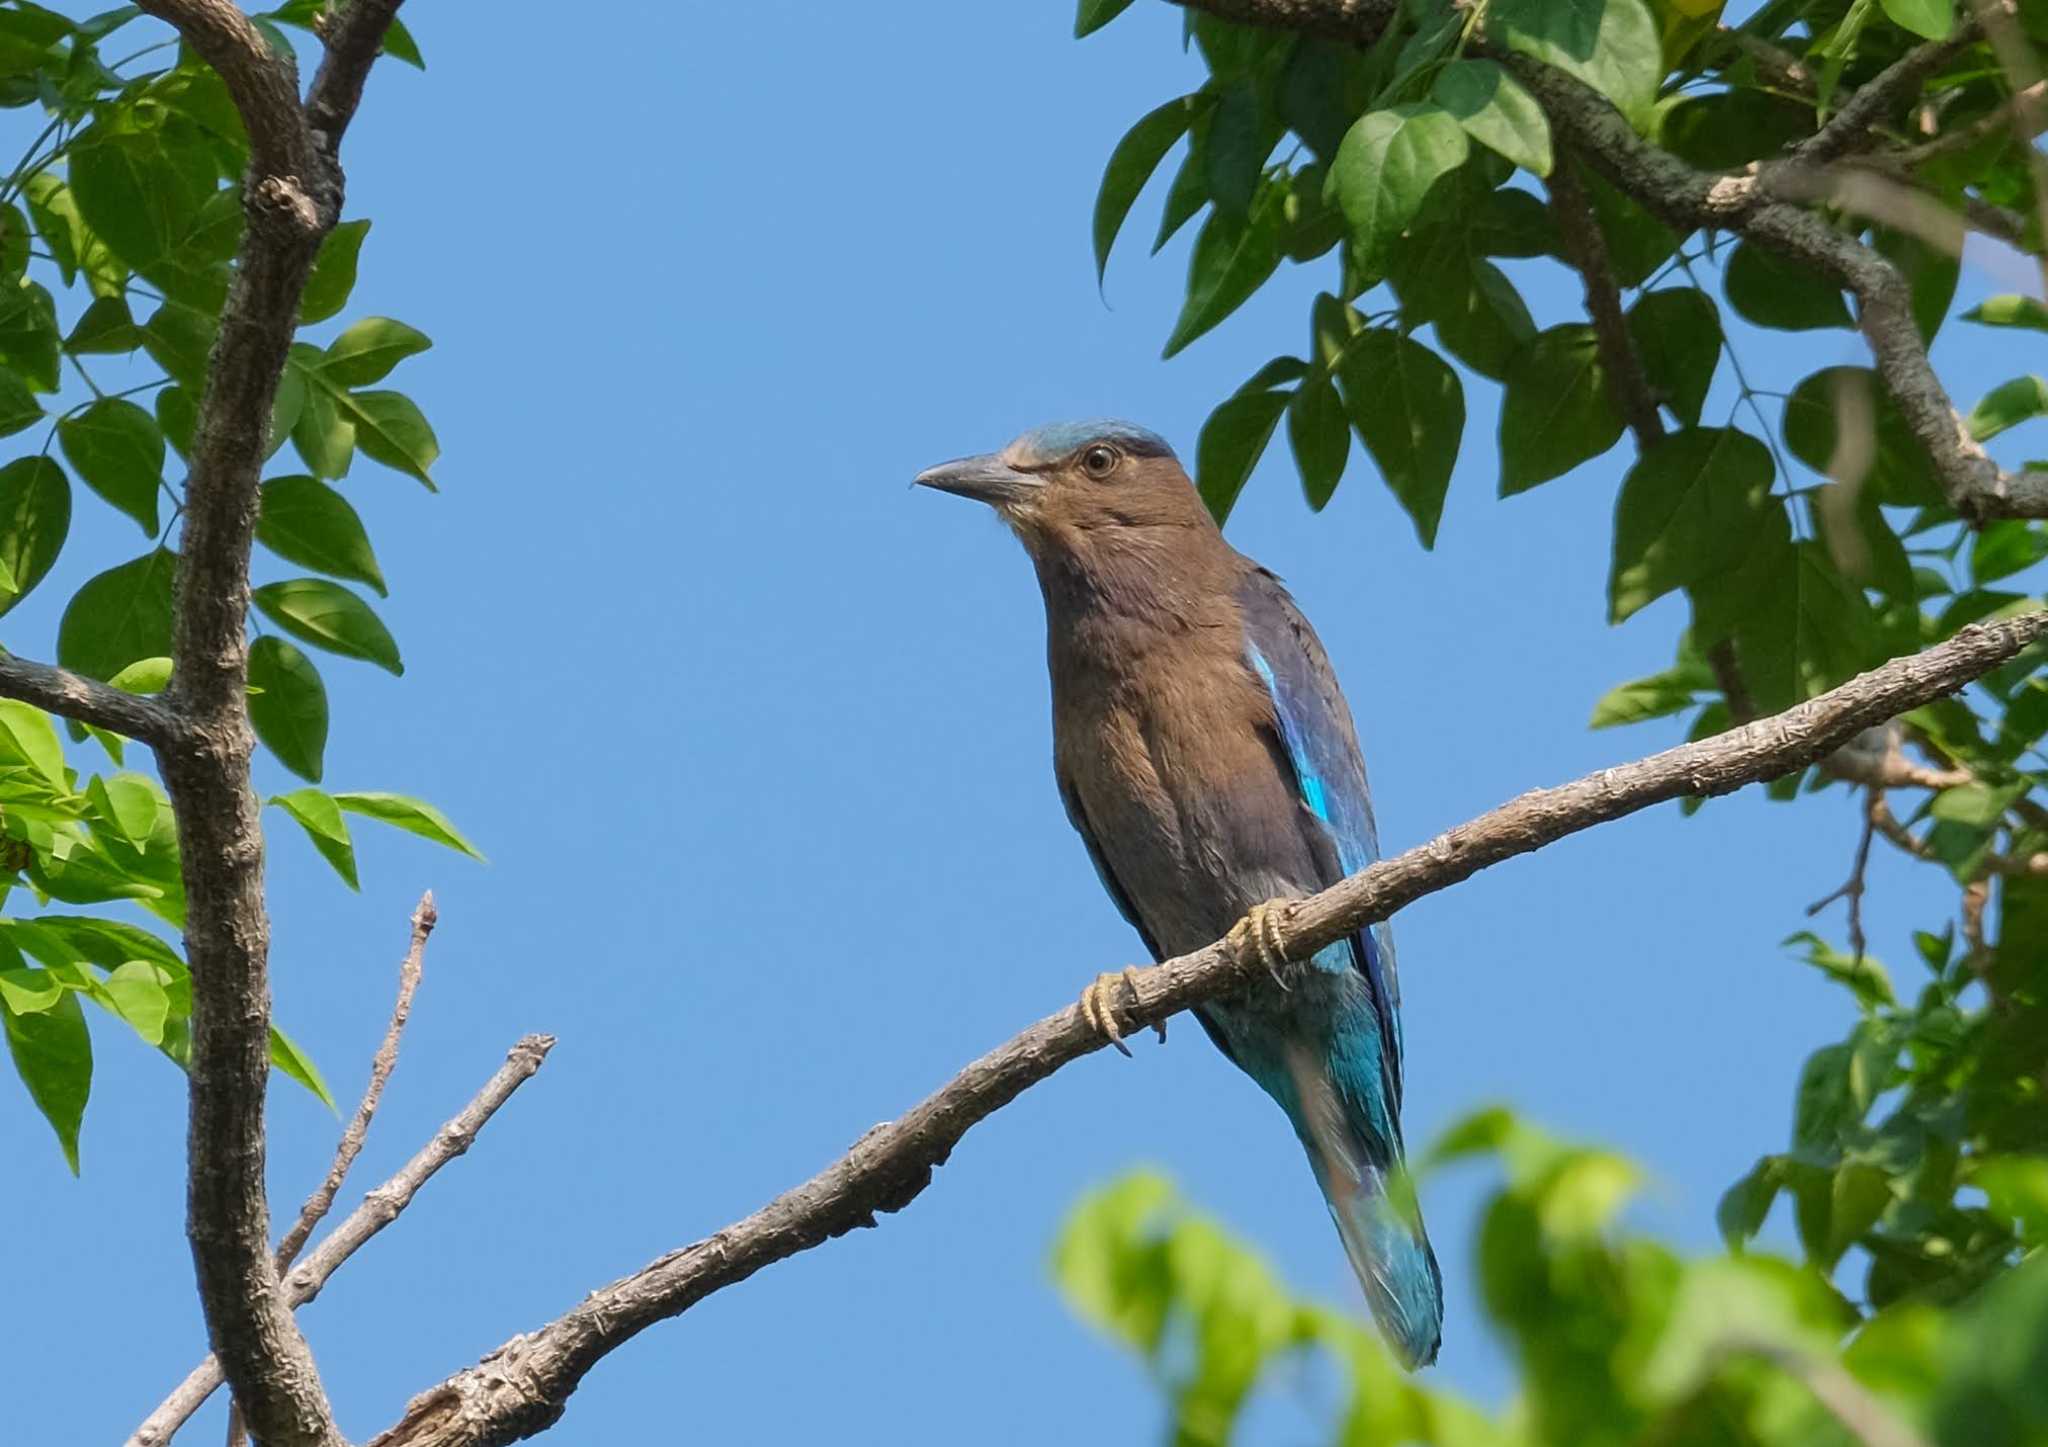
(1852,890)
(523,1387)
(1586,249)
(379,1209)
(1855,126)
(424,918)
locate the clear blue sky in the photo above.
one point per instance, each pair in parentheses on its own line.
(756,738)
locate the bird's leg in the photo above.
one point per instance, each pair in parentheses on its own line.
(1098,1011)
(1258,934)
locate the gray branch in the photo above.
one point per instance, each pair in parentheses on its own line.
(73,696)
(523,1387)
(379,1209)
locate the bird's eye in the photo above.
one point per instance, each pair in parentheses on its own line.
(1099,461)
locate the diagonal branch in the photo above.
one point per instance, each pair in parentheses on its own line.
(1854,126)
(85,700)
(264,84)
(523,1387)
(354,34)
(379,1209)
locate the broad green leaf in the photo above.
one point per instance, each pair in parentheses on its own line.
(293,1062)
(411,815)
(369,349)
(1131,165)
(1495,111)
(1408,408)
(1232,258)
(289,712)
(1557,412)
(118,451)
(2007,405)
(1799,627)
(334,272)
(107,327)
(144,675)
(1384,169)
(134,992)
(121,615)
(29,992)
(324,434)
(74,246)
(390,429)
(35,518)
(1861,542)
(178,415)
(1928,19)
(305,521)
(1677,333)
(1745,1204)
(400,45)
(141,190)
(1771,291)
(1823,1107)
(1726,130)
(1657,696)
(1236,147)
(30,736)
(131,803)
(2010,311)
(18,406)
(320,817)
(1230,445)
(1611,45)
(1688,509)
(53,1054)
(1094,14)
(1897,466)
(180,338)
(329,616)
(1478,315)
(2002,549)
(1320,437)
(29,340)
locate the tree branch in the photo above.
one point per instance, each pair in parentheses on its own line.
(354,35)
(523,1387)
(379,1209)
(86,700)
(263,84)
(1854,126)
(1359,21)
(1586,249)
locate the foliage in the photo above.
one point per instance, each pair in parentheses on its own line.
(1807,533)
(1618,1338)
(117,230)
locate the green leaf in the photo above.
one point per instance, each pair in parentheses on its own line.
(18,405)
(1688,509)
(73,245)
(324,435)
(1928,19)
(1771,291)
(53,1054)
(1677,333)
(1235,150)
(106,327)
(1931,272)
(369,349)
(2000,550)
(1408,408)
(30,736)
(2007,405)
(334,272)
(118,451)
(1726,130)
(2010,311)
(1495,111)
(1897,467)
(29,992)
(1657,696)
(145,675)
(130,803)
(1094,14)
(305,521)
(180,338)
(411,815)
(1824,1107)
(1862,544)
(1478,315)
(1384,169)
(1232,258)
(141,190)
(35,518)
(400,45)
(1611,45)
(1799,627)
(320,817)
(1745,1204)
(290,712)
(1230,445)
(297,1065)
(1557,412)
(119,616)
(1319,436)
(134,993)
(390,429)
(329,616)
(29,341)
(178,416)
(1131,165)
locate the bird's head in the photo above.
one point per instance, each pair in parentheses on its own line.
(1075,486)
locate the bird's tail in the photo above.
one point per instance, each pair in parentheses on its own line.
(1376,1214)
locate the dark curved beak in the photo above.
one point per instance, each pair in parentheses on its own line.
(986,479)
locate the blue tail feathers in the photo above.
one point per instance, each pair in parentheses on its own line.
(1390,1252)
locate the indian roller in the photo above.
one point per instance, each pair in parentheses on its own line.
(1207,759)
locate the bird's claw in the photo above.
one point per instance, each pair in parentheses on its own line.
(1258,934)
(1098,1009)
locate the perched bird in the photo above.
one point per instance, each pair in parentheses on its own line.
(1208,761)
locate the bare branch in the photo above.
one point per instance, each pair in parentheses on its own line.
(87,700)
(2026,108)
(354,34)
(1857,884)
(1586,249)
(379,1209)
(523,1387)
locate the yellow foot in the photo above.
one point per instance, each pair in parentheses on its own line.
(1099,1011)
(1258,935)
